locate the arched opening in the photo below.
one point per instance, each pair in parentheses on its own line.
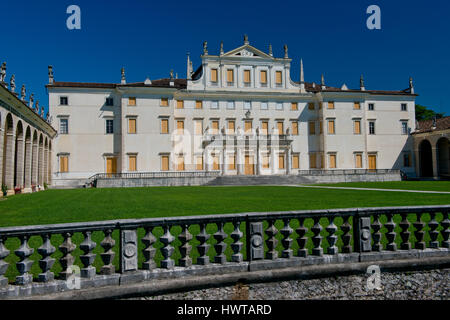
(34,161)
(40,160)
(45,164)
(443,159)
(8,154)
(18,157)
(425,159)
(27,160)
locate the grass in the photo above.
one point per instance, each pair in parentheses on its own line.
(60,206)
(403,185)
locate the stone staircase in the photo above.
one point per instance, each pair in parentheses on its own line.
(259,180)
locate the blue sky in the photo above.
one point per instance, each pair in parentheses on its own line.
(149,38)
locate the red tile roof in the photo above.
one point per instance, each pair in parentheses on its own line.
(427,125)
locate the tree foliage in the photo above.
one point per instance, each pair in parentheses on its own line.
(426,113)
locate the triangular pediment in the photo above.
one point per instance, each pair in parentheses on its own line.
(247,51)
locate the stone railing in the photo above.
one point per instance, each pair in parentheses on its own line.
(198,246)
(348,171)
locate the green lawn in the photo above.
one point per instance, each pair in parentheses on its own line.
(59,206)
(404,185)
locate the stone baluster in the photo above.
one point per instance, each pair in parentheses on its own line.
(4,252)
(237,245)
(433,225)
(220,246)
(271,242)
(419,233)
(203,247)
(185,249)
(302,239)
(332,238)
(149,251)
(376,236)
(317,238)
(390,234)
(108,254)
(404,234)
(67,247)
(286,231)
(24,265)
(46,263)
(445,231)
(88,258)
(168,249)
(347,236)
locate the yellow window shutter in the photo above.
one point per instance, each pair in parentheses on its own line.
(357,127)
(164,102)
(294,106)
(357,105)
(63,164)
(180,163)
(231,162)
(215,162)
(312,160)
(230,75)
(294,127)
(280,127)
(198,127)
(330,105)
(266,161)
(278,77)
(180,104)
(199,164)
(332,161)
(132,163)
(198,104)
(246,76)
(164,126)
(215,126)
(180,126)
(295,161)
(132,125)
(263,76)
(281,161)
(248,126)
(132,101)
(214,75)
(358,161)
(165,163)
(230,127)
(331,126)
(265,127)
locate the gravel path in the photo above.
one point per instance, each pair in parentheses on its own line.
(423,285)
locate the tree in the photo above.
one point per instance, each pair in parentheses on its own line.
(425,113)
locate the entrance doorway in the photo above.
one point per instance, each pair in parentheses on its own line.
(111,166)
(425,159)
(372,162)
(249,167)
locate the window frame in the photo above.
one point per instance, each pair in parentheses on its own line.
(66,131)
(106,126)
(63,97)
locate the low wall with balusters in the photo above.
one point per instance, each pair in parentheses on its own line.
(126,257)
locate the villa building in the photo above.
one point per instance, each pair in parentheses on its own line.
(238,113)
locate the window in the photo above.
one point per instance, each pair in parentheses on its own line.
(310,105)
(164,163)
(265,127)
(247,78)
(215,126)
(280,127)
(295,161)
(281,161)
(248,127)
(198,127)
(407,159)
(164,125)
(232,162)
(180,104)
(63,164)
(132,163)
(264,106)
(180,127)
(230,76)
(230,105)
(213,75)
(358,160)
(357,105)
(404,127)
(109,102)
(132,101)
(295,128)
(63,126)
(332,161)
(331,128)
(265,161)
(231,127)
(312,161)
(404,107)
(109,126)
(247,105)
(199,163)
(164,102)
(63,101)
(278,78)
(132,125)
(371,106)
(215,164)
(198,104)
(371,127)
(263,76)
(294,106)
(357,126)
(330,104)
(180,163)
(214,104)
(312,127)
(321,161)
(279,106)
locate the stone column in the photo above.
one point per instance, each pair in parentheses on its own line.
(434,159)
(40,164)
(9,162)
(238,161)
(27,173)
(288,161)
(258,160)
(2,134)
(19,162)
(34,164)
(45,166)
(273,161)
(49,173)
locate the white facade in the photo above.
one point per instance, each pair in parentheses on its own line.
(242,96)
